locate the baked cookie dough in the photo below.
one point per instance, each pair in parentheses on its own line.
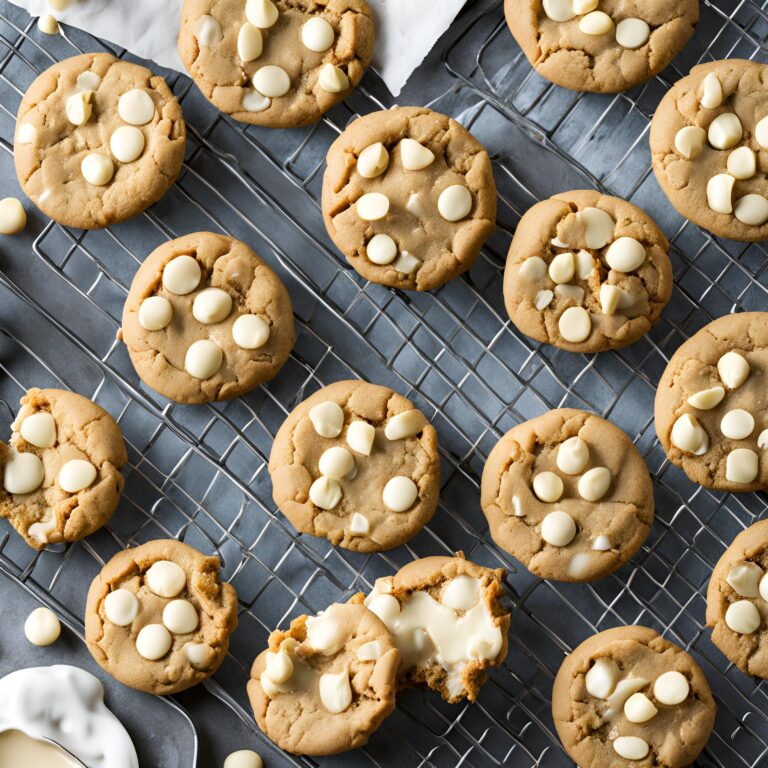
(158,618)
(587,272)
(710,408)
(448,622)
(206,319)
(408,197)
(277,64)
(709,141)
(98,140)
(628,697)
(357,464)
(325,685)
(737,601)
(61,477)
(605,46)
(569,495)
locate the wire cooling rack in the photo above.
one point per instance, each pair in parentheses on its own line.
(199,473)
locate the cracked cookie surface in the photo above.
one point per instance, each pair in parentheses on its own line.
(627,696)
(587,272)
(325,685)
(206,319)
(278,64)
(357,464)
(709,142)
(408,197)
(604,46)
(569,495)
(158,618)
(710,408)
(61,478)
(97,140)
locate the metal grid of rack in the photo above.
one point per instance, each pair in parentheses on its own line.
(199,473)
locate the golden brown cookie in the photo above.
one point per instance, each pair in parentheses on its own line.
(628,697)
(326,684)
(604,46)
(97,140)
(569,495)
(408,197)
(158,618)
(61,471)
(206,319)
(737,601)
(587,272)
(448,622)
(278,64)
(357,464)
(710,408)
(709,141)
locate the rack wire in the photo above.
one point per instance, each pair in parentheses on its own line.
(199,473)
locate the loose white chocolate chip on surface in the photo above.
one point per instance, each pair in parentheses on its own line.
(250,43)
(575,324)
(165,578)
(558,528)
(261,13)
(153,642)
(688,435)
(42,627)
(562,268)
(121,607)
(741,466)
(632,33)
(79,107)
(400,493)
(335,691)
(253,101)
(136,107)
(203,359)
(625,254)
(180,617)
(370,651)
(39,429)
(752,210)
(250,332)
(97,169)
(744,578)
(543,299)
(631,747)
(336,462)
(22,473)
(360,435)
(720,193)
(76,475)
(372,206)
(182,275)
(594,483)
(272,81)
(48,25)
(208,31)
(707,398)
(405,424)
(737,424)
(559,10)
(725,131)
(602,543)
(712,94)
(199,655)
(596,23)
(742,163)
(381,249)
(332,79)
(211,305)
(548,487)
(317,34)
(610,296)
(325,493)
(733,369)
(373,161)
(601,678)
(327,418)
(415,156)
(638,708)
(742,617)
(359,525)
(454,203)
(690,141)
(572,455)
(243,758)
(533,269)
(127,143)
(671,688)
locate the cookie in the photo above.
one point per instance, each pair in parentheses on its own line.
(605,46)
(568,495)
(357,464)
(158,618)
(737,601)
(98,140)
(448,622)
(587,272)
(709,142)
(326,684)
(206,319)
(710,408)
(278,64)
(627,696)
(61,477)
(408,197)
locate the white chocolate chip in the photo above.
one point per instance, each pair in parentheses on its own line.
(548,487)
(23,473)
(575,324)
(370,651)
(42,627)
(688,435)
(559,10)
(610,297)
(165,578)
(572,455)
(182,275)
(325,493)
(761,133)
(720,193)
(400,493)
(250,42)
(406,263)
(253,101)
(325,634)
(725,131)
(386,607)
(594,483)
(25,133)
(180,617)
(415,206)
(121,607)
(558,528)
(332,79)
(270,688)
(562,268)
(405,424)
(336,462)
(88,81)
(751,210)
(359,525)
(744,578)
(335,691)
(208,31)
(517,507)
(243,758)
(39,429)
(733,369)
(415,156)
(317,34)
(625,254)
(543,299)
(153,642)
(199,655)
(762,439)
(602,543)
(372,206)
(742,163)
(79,107)
(136,107)
(261,13)
(360,436)
(741,466)
(279,666)
(570,292)
(461,593)
(272,81)
(48,25)
(596,23)
(742,617)
(454,203)
(601,678)
(373,161)
(580,7)
(203,359)
(585,265)
(250,332)
(712,92)
(127,143)
(623,690)
(707,398)
(211,305)
(381,249)
(737,424)
(671,688)
(97,169)
(76,475)
(327,418)
(763,588)
(638,708)
(533,269)
(690,141)
(632,33)
(631,747)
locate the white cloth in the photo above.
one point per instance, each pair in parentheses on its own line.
(406,30)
